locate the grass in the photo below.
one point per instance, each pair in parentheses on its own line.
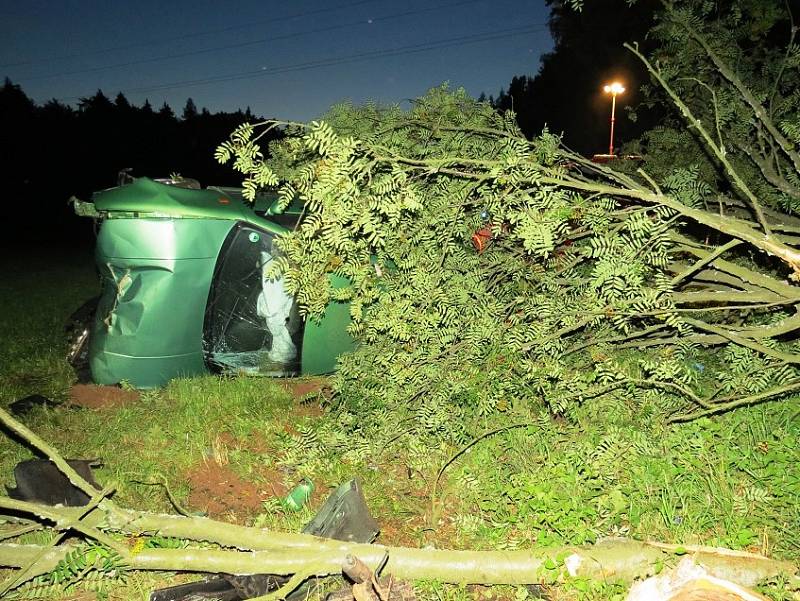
(37,295)
(732,481)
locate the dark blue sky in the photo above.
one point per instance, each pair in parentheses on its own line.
(289,60)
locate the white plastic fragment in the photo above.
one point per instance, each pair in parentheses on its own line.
(686,581)
(572,563)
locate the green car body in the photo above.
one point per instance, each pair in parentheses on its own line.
(184,290)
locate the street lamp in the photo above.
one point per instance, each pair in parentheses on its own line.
(613,88)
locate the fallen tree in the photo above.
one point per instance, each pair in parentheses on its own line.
(575,263)
(108,531)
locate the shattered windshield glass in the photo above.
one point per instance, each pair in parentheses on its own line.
(252,324)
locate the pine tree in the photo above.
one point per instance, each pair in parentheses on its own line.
(189,110)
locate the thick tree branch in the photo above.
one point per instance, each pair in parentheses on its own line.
(62,523)
(620,559)
(753,399)
(732,227)
(718,151)
(748,342)
(733,296)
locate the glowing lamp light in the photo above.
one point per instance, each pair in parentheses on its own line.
(614,88)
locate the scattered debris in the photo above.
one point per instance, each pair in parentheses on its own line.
(25,405)
(689,581)
(299,495)
(40,481)
(212,588)
(344,517)
(220,588)
(367,586)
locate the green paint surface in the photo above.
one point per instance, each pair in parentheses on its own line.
(325,339)
(147,198)
(156,276)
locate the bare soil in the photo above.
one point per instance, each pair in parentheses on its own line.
(219,491)
(300,387)
(92,396)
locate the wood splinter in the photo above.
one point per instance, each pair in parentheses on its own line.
(367,587)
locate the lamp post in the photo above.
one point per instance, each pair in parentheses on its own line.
(613,89)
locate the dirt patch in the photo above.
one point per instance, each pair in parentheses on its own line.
(223,494)
(217,490)
(405,521)
(299,413)
(273,482)
(307,409)
(300,387)
(415,531)
(92,396)
(400,532)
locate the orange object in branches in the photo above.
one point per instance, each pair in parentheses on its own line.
(482,238)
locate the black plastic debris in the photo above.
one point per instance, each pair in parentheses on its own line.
(40,481)
(255,585)
(24,405)
(344,517)
(212,588)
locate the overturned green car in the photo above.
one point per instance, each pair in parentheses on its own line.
(186,290)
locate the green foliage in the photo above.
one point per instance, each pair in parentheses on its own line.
(89,567)
(727,482)
(450,336)
(731,481)
(756,43)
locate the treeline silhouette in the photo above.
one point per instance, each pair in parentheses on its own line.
(53,151)
(566,94)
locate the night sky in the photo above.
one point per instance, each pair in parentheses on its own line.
(290,60)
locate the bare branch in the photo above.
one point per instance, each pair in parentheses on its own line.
(753,399)
(705,261)
(759,111)
(718,151)
(733,227)
(769,172)
(747,342)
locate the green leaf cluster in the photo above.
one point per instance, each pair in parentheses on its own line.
(90,567)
